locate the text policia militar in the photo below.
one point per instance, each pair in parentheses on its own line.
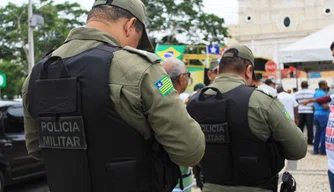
(216,133)
(66,133)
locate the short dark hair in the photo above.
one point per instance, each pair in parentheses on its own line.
(280,89)
(269,82)
(235,64)
(304,84)
(332,46)
(321,83)
(257,77)
(112,13)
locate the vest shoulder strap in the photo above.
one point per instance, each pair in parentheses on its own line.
(152,58)
(266,92)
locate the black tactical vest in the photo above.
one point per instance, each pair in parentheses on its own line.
(86,145)
(234,156)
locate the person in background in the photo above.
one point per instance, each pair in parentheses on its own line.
(294,90)
(197,87)
(179,75)
(213,70)
(331,89)
(329,130)
(289,91)
(270,83)
(320,120)
(289,103)
(305,112)
(257,83)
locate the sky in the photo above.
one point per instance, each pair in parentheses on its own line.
(228,9)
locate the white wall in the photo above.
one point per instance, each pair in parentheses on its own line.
(313,82)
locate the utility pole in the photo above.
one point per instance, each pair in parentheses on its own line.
(30,38)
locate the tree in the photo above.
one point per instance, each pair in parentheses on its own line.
(185,18)
(59,20)
(15,78)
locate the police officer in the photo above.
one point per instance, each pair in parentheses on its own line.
(213,70)
(248,132)
(102,114)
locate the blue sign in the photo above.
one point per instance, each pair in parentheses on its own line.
(214,50)
(314,75)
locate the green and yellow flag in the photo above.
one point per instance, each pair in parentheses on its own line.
(170,51)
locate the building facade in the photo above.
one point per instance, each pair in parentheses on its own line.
(266,26)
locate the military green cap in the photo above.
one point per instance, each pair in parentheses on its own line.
(240,51)
(136,8)
(214,64)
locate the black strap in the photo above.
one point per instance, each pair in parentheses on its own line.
(53,60)
(181,180)
(219,95)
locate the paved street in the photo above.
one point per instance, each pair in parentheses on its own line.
(310,172)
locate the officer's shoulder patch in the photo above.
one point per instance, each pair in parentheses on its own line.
(164,85)
(267,92)
(287,115)
(152,58)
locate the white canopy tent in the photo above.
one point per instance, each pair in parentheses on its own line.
(311,53)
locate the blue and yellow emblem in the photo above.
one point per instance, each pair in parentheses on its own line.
(287,115)
(164,86)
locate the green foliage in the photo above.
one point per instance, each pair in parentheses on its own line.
(59,20)
(15,78)
(186,18)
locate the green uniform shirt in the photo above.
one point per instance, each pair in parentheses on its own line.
(133,75)
(266,116)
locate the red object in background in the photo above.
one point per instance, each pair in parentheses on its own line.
(271,66)
(223,49)
(267,75)
(290,72)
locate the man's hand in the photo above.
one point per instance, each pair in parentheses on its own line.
(296,121)
(308,101)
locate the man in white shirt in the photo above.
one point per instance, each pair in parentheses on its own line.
(305,112)
(289,103)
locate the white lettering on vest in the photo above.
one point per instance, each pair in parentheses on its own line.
(76,141)
(61,141)
(64,126)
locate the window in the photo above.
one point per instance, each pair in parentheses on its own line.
(327,11)
(13,120)
(287,22)
(248,18)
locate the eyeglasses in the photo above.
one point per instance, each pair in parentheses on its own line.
(214,71)
(188,74)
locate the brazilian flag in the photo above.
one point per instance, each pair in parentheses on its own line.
(170,51)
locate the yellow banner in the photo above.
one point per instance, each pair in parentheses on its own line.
(197,76)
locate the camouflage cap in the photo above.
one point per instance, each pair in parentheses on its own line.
(214,64)
(241,51)
(136,8)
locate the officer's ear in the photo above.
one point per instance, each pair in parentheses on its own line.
(249,72)
(130,26)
